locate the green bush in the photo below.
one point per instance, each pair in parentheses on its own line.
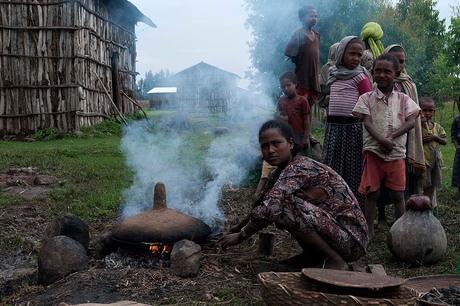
(105,128)
(48,134)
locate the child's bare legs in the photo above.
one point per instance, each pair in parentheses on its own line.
(370,210)
(429,191)
(381,218)
(398,202)
(316,251)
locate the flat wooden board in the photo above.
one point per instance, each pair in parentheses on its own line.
(352,279)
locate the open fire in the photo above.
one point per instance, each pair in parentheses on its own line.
(161,249)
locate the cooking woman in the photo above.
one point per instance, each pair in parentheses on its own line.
(309,200)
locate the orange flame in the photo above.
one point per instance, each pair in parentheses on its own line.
(161,249)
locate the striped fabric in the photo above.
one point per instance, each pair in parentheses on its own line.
(344,94)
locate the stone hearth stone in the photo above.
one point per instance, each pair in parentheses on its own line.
(185,258)
(104,245)
(71,226)
(58,257)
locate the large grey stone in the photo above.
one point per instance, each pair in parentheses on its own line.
(185,258)
(58,257)
(71,226)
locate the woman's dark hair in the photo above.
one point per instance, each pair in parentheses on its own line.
(387,57)
(285,130)
(291,76)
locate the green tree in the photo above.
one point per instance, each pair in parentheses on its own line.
(150,81)
(452,69)
(442,79)
(421,32)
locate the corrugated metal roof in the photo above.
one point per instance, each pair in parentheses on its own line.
(162,90)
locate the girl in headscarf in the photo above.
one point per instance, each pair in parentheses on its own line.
(343,141)
(371,35)
(415,160)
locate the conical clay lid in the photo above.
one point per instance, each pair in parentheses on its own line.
(160,224)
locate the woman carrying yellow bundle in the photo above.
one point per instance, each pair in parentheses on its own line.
(371,35)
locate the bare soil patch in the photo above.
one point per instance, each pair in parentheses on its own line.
(225,278)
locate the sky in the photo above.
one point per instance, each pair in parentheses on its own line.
(191,31)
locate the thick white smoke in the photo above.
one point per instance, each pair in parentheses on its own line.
(155,154)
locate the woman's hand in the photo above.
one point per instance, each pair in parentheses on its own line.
(230,239)
(236,228)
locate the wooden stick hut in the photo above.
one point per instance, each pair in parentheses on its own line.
(66,63)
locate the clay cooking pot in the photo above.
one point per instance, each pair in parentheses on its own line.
(160,224)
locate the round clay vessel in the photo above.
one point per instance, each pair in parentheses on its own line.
(160,224)
(418,237)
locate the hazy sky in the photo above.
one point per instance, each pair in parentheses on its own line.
(191,31)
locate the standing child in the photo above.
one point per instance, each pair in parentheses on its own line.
(387,115)
(433,137)
(295,110)
(455,137)
(303,50)
(415,160)
(343,139)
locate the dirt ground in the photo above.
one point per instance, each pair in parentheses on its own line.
(228,277)
(225,278)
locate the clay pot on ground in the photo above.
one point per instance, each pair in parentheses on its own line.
(418,238)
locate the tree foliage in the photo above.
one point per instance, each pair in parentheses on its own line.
(150,81)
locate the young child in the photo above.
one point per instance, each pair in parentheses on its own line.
(415,160)
(303,50)
(433,137)
(455,138)
(343,140)
(387,115)
(295,110)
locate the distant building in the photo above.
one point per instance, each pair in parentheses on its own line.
(163,98)
(205,87)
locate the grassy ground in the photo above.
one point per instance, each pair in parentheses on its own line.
(93,175)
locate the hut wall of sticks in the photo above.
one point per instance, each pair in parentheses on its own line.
(66,64)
